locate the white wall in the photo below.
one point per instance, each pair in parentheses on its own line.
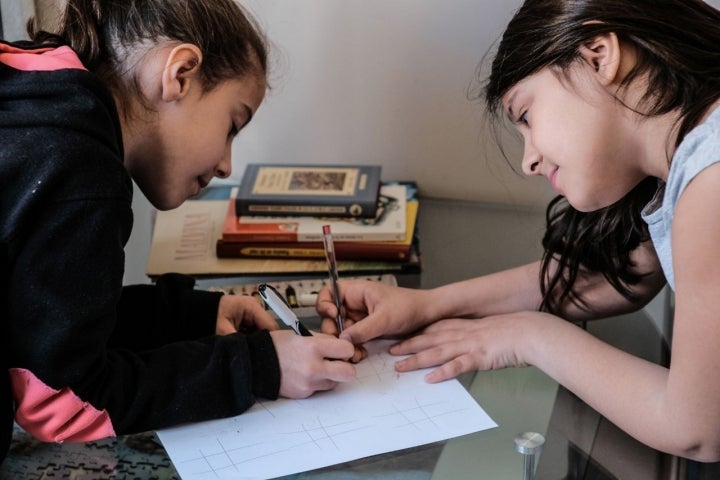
(384,81)
(14,15)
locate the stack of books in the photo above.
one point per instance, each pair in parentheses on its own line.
(370,220)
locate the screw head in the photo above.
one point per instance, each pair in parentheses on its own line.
(529,443)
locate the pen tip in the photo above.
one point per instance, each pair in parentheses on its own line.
(326,229)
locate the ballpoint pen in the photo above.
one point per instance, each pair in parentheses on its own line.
(282,309)
(332,269)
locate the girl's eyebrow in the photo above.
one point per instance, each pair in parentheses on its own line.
(248,116)
(509,110)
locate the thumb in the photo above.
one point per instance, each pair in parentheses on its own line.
(366,329)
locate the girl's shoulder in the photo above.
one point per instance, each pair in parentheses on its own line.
(698,150)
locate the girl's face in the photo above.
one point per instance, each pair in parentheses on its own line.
(186,141)
(577,135)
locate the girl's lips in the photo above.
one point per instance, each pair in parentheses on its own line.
(552,176)
(200,184)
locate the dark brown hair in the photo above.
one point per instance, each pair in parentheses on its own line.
(110,35)
(678,48)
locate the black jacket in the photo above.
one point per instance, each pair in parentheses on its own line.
(82,356)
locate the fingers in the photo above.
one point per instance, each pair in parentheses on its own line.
(329,325)
(447,371)
(254,315)
(310,364)
(329,347)
(339,371)
(367,329)
(326,308)
(425,341)
(451,351)
(355,304)
(360,354)
(245,313)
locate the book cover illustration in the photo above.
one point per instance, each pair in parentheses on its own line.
(389,224)
(309,190)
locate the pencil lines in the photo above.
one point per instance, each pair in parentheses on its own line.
(417,416)
(382,411)
(316,433)
(322,434)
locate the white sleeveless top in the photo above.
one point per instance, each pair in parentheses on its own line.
(698,150)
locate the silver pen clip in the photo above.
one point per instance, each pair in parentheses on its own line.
(282,309)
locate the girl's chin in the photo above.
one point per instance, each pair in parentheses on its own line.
(587,207)
(168,203)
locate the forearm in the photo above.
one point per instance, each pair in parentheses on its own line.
(636,395)
(513,290)
(518,289)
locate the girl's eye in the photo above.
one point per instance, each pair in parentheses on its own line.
(523,118)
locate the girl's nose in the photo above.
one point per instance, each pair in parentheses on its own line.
(224,168)
(531,160)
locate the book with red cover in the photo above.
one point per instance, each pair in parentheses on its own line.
(388,225)
(387,250)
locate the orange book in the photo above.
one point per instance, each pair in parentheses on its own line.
(398,250)
(388,225)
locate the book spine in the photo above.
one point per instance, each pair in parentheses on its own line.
(343,251)
(366,210)
(248,237)
(259,237)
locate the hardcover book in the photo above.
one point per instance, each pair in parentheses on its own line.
(184,242)
(309,190)
(390,250)
(389,224)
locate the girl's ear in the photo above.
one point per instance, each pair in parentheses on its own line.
(181,71)
(603,53)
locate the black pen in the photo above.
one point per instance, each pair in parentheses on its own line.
(282,309)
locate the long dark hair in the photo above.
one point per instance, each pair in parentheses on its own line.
(678,48)
(109,36)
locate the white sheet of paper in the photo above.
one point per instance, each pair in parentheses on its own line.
(382,411)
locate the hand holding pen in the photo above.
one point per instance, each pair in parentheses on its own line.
(307,365)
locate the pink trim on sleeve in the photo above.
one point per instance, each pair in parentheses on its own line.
(56,415)
(44,59)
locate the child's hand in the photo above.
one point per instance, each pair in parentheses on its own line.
(457,346)
(311,364)
(241,313)
(372,310)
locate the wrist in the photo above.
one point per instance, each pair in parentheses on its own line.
(449,301)
(532,337)
(437,303)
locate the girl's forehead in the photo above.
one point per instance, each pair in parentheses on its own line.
(509,97)
(508,100)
